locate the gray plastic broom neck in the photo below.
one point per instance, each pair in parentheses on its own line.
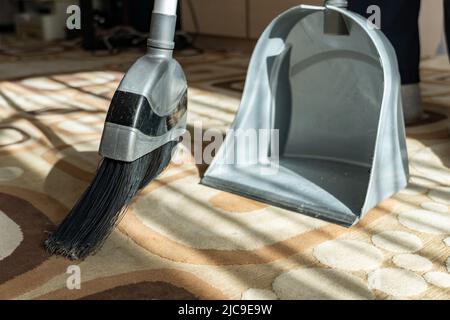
(162,28)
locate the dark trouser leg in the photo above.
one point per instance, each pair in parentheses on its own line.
(400,23)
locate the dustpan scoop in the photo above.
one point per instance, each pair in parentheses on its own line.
(326,84)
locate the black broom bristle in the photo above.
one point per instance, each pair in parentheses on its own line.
(102,205)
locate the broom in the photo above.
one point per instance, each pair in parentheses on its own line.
(145,120)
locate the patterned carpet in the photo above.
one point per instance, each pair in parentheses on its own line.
(181,240)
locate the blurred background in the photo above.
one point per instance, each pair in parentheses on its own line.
(115,25)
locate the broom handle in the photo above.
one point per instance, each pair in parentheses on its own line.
(168,7)
(162,28)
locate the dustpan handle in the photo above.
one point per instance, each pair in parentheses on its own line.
(162,29)
(337,3)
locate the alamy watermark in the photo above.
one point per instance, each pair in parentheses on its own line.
(241,148)
(74,19)
(374,20)
(73,281)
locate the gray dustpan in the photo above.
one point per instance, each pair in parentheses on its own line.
(326,84)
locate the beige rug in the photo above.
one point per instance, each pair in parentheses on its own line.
(181,240)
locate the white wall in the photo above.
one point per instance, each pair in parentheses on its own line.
(431,27)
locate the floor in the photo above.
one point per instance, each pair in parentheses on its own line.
(169,244)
